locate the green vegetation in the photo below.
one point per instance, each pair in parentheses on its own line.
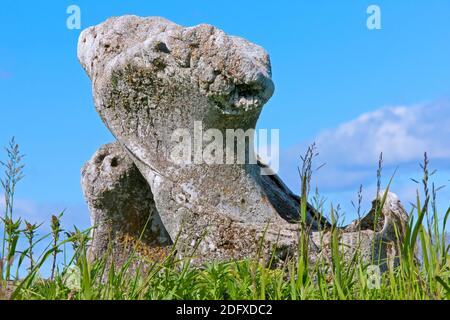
(79,278)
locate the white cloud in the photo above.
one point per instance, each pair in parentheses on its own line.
(403,134)
(351,150)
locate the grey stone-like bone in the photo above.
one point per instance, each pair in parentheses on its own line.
(151,77)
(122,209)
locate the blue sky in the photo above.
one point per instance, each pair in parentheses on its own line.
(355,91)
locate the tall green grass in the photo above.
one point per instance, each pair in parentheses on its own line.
(80,278)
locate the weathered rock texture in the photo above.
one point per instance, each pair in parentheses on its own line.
(151,77)
(122,209)
(6,291)
(375,238)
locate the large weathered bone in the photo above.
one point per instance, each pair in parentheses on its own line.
(151,77)
(122,209)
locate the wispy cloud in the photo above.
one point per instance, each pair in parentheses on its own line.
(351,150)
(402,133)
(36,212)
